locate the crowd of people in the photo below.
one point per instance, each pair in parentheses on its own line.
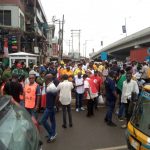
(46,87)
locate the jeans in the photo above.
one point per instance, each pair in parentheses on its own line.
(110,109)
(68,107)
(51,129)
(121,110)
(79,99)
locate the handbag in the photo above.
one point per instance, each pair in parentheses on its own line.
(100,99)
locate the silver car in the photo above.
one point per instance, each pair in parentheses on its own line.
(17,130)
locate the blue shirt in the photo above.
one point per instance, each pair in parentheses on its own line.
(110,89)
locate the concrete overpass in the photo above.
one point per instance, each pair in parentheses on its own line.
(121,48)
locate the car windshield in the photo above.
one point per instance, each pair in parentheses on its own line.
(140,118)
(17,132)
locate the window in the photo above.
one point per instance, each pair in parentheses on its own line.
(21,22)
(1,17)
(5,17)
(140,118)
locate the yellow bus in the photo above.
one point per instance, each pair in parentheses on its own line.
(138,129)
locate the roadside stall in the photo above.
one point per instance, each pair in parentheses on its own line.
(23,57)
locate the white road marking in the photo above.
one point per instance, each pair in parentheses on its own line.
(114,148)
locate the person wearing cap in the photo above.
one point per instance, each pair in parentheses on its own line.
(37,70)
(32,72)
(111,96)
(32,95)
(79,69)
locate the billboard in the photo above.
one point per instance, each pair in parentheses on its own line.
(103,55)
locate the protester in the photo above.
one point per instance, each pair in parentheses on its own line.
(32,95)
(79,69)
(18,70)
(98,83)
(90,94)
(130,87)
(111,96)
(51,92)
(79,87)
(65,98)
(68,72)
(89,79)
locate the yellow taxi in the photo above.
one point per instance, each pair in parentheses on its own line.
(138,129)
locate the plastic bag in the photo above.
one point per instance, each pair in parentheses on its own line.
(101,100)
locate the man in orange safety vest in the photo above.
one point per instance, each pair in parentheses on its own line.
(32,95)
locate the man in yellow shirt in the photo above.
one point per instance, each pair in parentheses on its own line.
(79,69)
(60,70)
(101,67)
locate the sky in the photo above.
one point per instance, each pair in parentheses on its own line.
(98,20)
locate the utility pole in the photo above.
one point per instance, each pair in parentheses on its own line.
(59,41)
(75,33)
(60,34)
(61,54)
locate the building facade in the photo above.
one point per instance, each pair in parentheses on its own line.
(23,27)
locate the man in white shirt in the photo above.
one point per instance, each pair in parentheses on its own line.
(130,86)
(79,91)
(65,98)
(144,71)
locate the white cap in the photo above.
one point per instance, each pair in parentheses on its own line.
(32,72)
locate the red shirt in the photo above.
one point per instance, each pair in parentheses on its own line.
(97,81)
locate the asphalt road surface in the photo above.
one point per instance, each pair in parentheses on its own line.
(87,133)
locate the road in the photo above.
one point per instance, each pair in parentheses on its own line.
(87,133)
